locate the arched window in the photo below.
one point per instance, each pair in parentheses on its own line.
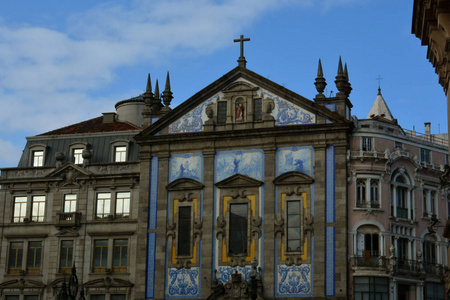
(368,241)
(401,200)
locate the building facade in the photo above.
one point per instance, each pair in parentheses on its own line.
(73,200)
(247,172)
(397,207)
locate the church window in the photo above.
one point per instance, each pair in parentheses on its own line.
(70,203)
(120,260)
(425,155)
(257,110)
(15,257)
(66,256)
(238,228)
(366,143)
(221,112)
(20,209)
(120,154)
(34,258)
(184,231)
(100,256)
(38,158)
(293,226)
(38,211)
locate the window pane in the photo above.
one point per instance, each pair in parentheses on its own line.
(184,230)
(38,158)
(221,112)
(31,297)
(20,209)
(118,297)
(103,205)
(77,156)
(66,254)
(34,255)
(15,255)
(70,203)
(100,253)
(123,204)
(238,228)
(120,258)
(97,297)
(38,212)
(293,226)
(120,153)
(12,297)
(257,110)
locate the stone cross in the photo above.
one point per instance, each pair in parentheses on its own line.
(241,59)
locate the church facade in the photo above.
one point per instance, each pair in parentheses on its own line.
(246,172)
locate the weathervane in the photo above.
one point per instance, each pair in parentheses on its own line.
(379,84)
(241,61)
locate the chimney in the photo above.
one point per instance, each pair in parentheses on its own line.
(427,128)
(109,117)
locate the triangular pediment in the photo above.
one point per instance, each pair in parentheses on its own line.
(69,170)
(108,282)
(182,184)
(293,177)
(285,106)
(21,283)
(238,180)
(67,233)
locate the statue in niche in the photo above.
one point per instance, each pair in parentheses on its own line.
(240,111)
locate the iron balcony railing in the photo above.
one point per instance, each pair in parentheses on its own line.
(371,261)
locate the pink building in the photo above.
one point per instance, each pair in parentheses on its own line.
(397,208)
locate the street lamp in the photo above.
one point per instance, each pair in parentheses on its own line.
(253,281)
(70,292)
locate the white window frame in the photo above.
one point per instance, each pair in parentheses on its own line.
(30,209)
(115,195)
(33,149)
(77,146)
(120,143)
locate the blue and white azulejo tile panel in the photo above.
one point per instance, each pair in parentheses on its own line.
(295,159)
(224,273)
(186,166)
(183,283)
(245,162)
(293,281)
(192,121)
(287,113)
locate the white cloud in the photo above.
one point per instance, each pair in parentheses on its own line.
(9,154)
(46,73)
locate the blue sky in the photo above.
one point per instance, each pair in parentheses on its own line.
(63,62)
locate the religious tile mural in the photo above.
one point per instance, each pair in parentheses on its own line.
(192,121)
(295,159)
(245,162)
(183,283)
(186,166)
(287,113)
(293,281)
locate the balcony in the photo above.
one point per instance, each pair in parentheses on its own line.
(68,219)
(434,269)
(402,213)
(370,261)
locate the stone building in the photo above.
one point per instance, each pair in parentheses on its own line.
(73,200)
(246,171)
(397,207)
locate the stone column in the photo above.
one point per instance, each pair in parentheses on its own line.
(269,267)
(161,223)
(208,221)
